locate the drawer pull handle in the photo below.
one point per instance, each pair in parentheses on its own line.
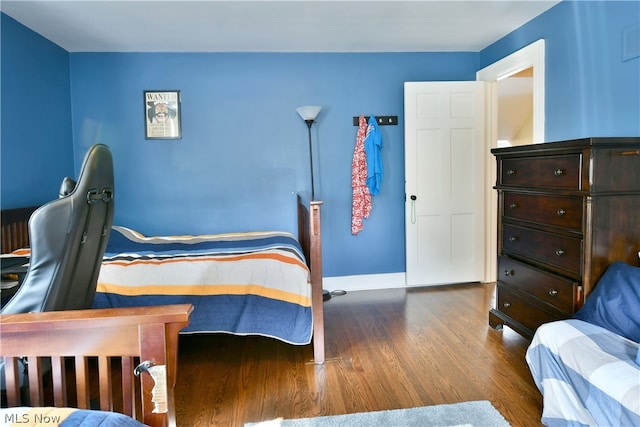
(558,172)
(513,239)
(509,272)
(559,252)
(511,172)
(513,206)
(561,212)
(553,292)
(506,304)
(628,153)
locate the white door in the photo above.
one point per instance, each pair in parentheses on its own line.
(444,173)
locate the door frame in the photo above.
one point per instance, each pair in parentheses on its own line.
(532,55)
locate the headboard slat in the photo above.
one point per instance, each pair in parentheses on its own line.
(14,233)
(82,382)
(36,390)
(59,382)
(12,381)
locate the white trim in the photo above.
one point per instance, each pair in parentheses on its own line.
(532,55)
(365,282)
(491,196)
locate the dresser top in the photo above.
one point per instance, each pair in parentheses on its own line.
(571,145)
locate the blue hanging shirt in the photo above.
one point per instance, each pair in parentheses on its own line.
(373,147)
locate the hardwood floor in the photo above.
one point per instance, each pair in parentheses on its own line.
(386,349)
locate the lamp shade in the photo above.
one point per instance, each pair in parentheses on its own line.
(309,112)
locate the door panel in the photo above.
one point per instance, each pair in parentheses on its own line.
(444,168)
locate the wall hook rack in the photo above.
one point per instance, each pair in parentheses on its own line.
(382,120)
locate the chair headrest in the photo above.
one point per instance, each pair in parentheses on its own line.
(67,186)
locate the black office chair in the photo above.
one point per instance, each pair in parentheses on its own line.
(68,237)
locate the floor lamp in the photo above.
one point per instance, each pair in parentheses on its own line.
(309,114)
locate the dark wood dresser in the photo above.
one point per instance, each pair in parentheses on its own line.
(566,210)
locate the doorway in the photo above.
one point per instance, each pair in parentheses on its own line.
(528,60)
(515,109)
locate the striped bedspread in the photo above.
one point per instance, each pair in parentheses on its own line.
(588,376)
(239,283)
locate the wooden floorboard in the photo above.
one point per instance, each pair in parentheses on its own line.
(386,349)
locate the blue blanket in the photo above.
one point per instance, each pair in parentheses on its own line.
(614,304)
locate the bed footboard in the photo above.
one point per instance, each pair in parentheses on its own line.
(310,237)
(122,337)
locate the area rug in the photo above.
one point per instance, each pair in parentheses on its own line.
(466,414)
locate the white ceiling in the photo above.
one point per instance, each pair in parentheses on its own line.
(273,26)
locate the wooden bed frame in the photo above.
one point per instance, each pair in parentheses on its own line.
(127,335)
(15,235)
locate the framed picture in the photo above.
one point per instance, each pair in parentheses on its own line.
(162,114)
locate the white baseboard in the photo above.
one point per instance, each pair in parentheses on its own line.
(365,282)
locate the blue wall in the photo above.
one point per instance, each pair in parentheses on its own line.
(244,150)
(35,138)
(590,90)
(243,154)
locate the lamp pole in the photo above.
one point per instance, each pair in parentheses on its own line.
(308,114)
(313,193)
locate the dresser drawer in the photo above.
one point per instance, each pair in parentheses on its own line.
(552,210)
(553,249)
(555,290)
(561,172)
(523,309)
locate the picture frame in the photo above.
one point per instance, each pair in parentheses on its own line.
(162,114)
